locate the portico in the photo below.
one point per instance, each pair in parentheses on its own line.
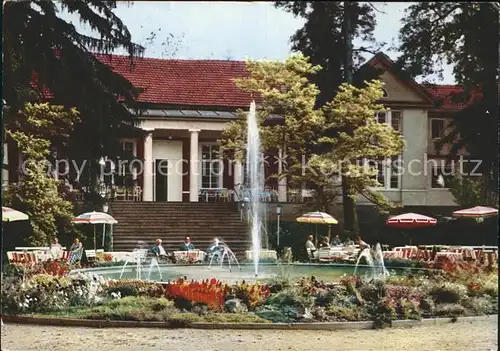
(182,159)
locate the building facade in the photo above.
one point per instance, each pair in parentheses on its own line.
(186,104)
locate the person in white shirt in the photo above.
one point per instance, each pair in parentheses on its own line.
(310,247)
(362,245)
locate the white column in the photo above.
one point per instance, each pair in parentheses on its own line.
(193,166)
(238,174)
(147,192)
(281,181)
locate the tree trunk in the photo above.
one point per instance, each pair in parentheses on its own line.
(348,203)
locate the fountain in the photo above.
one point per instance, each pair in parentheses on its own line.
(139,257)
(255,178)
(224,252)
(375,261)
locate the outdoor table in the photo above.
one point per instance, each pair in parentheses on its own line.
(263,255)
(450,255)
(31,248)
(121,255)
(195,255)
(392,254)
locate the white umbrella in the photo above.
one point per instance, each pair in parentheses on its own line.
(11,215)
(97,218)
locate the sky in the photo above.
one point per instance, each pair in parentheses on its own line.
(231,30)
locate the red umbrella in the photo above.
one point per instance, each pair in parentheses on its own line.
(475,212)
(411,220)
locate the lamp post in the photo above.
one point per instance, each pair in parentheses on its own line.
(278,214)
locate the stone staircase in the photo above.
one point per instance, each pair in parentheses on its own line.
(172,221)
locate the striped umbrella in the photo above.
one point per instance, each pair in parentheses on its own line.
(97,218)
(11,215)
(317,218)
(411,220)
(475,212)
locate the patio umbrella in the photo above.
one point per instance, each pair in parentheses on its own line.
(410,220)
(317,218)
(96,218)
(11,215)
(478,212)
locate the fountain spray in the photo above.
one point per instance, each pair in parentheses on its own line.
(255,177)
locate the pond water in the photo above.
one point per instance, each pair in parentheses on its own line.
(169,272)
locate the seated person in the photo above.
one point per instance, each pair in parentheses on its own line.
(75,252)
(310,245)
(187,245)
(158,249)
(348,242)
(336,241)
(213,249)
(324,243)
(55,244)
(362,245)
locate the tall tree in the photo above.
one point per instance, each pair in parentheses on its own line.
(465,35)
(285,90)
(322,39)
(326,37)
(46,56)
(37,194)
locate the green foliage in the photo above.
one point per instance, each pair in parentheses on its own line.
(286,91)
(124,290)
(429,38)
(46,293)
(37,193)
(322,38)
(468,191)
(39,42)
(448,293)
(359,137)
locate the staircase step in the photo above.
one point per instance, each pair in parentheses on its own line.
(171,222)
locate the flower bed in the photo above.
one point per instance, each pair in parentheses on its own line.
(462,290)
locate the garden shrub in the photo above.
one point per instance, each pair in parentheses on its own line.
(346,314)
(382,313)
(427,307)
(274,314)
(450,310)
(448,292)
(123,290)
(44,292)
(481,305)
(290,298)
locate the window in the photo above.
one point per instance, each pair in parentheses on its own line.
(211,166)
(392,118)
(389,172)
(396,120)
(442,175)
(395,171)
(126,173)
(437,128)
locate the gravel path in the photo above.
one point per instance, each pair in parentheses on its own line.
(467,336)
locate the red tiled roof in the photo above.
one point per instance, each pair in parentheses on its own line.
(209,83)
(183,82)
(444,96)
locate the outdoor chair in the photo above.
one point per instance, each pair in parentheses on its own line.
(91,255)
(120,193)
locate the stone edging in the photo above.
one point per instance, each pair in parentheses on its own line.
(256,326)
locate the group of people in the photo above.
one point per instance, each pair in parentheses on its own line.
(159,251)
(75,250)
(325,243)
